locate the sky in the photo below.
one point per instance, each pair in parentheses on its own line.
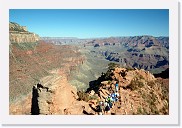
(92,23)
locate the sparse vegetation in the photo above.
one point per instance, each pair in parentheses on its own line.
(109,73)
(109,82)
(25,46)
(136,83)
(152,96)
(139,111)
(112,66)
(94,97)
(85,96)
(151,83)
(129,69)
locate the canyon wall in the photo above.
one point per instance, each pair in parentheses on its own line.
(20,34)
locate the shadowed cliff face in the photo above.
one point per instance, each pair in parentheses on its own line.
(20,34)
(163,74)
(41,98)
(35,107)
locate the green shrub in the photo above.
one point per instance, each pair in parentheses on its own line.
(112,66)
(109,73)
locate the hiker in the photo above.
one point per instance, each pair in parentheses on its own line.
(113,96)
(109,101)
(107,108)
(39,85)
(117,86)
(116,96)
(101,107)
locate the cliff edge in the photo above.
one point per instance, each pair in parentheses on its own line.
(20,34)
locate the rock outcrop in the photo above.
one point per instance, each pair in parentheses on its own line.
(140,92)
(41,98)
(20,34)
(57,97)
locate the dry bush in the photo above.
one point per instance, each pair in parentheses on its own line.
(85,96)
(136,83)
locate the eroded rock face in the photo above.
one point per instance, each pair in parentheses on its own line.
(20,34)
(57,97)
(139,92)
(142,52)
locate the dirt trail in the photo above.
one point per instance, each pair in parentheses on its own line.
(64,98)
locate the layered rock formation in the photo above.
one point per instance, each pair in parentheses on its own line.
(132,41)
(143,52)
(20,34)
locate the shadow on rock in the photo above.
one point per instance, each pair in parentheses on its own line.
(35,107)
(86,113)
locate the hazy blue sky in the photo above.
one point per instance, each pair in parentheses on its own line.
(93,23)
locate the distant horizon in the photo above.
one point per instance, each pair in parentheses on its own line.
(93,23)
(98,37)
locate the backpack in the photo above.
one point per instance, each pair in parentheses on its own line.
(113,96)
(109,99)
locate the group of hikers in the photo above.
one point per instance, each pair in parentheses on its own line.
(105,106)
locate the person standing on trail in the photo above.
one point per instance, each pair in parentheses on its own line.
(109,101)
(113,96)
(101,107)
(117,86)
(107,108)
(116,95)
